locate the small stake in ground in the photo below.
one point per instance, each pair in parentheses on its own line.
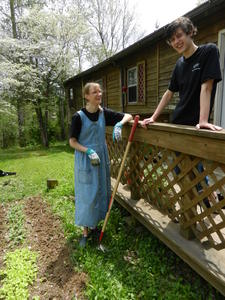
(52,183)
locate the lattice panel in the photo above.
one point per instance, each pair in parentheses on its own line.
(141,82)
(189,189)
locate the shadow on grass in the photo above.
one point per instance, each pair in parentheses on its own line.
(34,151)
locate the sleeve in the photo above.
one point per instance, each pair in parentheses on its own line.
(75,127)
(112,117)
(173,85)
(211,67)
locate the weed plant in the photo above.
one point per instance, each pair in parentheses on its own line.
(20,272)
(16,231)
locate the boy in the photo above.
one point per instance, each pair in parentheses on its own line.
(195,77)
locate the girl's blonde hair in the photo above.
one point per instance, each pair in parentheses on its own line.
(88,85)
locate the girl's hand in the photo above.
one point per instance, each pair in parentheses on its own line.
(93,156)
(117,132)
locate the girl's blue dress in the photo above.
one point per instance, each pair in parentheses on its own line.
(92,183)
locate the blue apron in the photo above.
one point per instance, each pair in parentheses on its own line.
(92,183)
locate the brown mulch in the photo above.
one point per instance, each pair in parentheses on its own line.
(56,276)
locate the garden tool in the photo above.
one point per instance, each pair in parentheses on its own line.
(4,173)
(136,119)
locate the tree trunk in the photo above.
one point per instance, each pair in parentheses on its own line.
(20,118)
(61,118)
(46,128)
(20,108)
(42,125)
(13,18)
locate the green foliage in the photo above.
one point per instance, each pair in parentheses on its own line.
(136,266)
(19,273)
(8,124)
(16,230)
(43,44)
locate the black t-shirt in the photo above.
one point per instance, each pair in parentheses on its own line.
(111,118)
(187,77)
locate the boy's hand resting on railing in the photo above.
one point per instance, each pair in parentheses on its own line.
(206,125)
(146,122)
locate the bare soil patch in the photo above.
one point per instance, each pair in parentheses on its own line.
(56,276)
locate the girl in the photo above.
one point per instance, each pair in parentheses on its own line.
(92,174)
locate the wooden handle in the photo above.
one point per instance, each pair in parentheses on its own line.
(136,119)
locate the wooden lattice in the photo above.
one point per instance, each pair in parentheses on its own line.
(173,183)
(141,82)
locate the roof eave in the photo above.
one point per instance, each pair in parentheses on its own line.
(196,13)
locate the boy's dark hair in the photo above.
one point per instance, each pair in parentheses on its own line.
(184,23)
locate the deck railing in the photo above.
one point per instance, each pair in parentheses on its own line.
(179,170)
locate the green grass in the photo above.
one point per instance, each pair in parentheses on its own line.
(137,265)
(33,168)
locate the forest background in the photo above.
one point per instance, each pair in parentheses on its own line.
(43,43)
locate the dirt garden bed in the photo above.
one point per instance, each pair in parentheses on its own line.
(56,277)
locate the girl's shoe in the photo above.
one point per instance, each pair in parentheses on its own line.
(94,233)
(83,242)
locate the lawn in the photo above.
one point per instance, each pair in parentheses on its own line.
(136,266)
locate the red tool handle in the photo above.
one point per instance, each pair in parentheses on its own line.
(136,119)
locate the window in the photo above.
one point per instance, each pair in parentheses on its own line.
(101,83)
(71,93)
(136,84)
(132,85)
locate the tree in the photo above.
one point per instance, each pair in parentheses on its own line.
(12,10)
(112,23)
(42,44)
(40,61)
(8,126)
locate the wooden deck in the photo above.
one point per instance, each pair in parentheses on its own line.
(205,260)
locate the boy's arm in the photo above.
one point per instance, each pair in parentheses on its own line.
(205,96)
(167,96)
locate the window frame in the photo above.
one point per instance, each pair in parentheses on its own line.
(141,88)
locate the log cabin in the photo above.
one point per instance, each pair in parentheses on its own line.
(135,79)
